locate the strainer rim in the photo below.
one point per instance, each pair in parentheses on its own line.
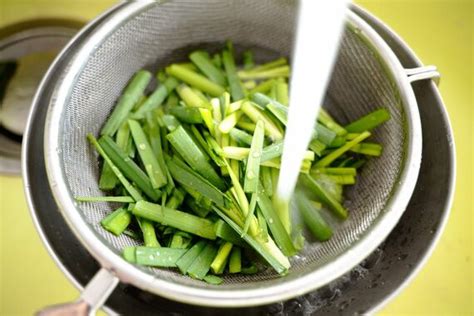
(214,296)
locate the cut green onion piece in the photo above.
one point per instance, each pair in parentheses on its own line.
(327,160)
(129,168)
(187,177)
(248,61)
(185,261)
(269,65)
(267,181)
(277,225)
(335,171)
(240,136)
(118,199)
(187,114)
(117,221)
(248,218)
(194,156)
(256,115)
(107,180)
(202,264)
(313,219)
(158,256)
(225,232)
(252,172)
(229,122)
(330,123)
(130,96)
(152,167)
(134,193)
(157,97)
(369,122)
(148,232)
(282,92)
(369,149)
(268,250)
(202,60)
(325,197)
(220,261)
(174,218)
(263,87)
(128,254)
(196,80)
(213,279)
(342,179)
(176,199)
(270,152)
(282,71)
(190,97)
(235,261)
(235,85)
(337,142)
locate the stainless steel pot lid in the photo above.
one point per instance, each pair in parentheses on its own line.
(364,289)
(26,51)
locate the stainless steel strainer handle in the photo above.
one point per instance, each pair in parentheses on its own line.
(91,299)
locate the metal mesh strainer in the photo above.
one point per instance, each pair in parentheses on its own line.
(151,35)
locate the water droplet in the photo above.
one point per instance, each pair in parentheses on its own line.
(256,154)
(142,146)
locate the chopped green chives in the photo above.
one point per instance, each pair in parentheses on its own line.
(213,279)
(220,261)
(252,171)
(152,167)
(327,160)
(196,80)
(248,61)
(240,136)
(249,217)
(276,224)
(128,254)
(342,179)
(268,250)
(325,197)
(255,115)
(118,199)
(187,114)
(235,260)
(202,264)
(225,232)
(187,259)
(235,85)
(263,87)
(107,180)
(128,167)
(330,123)
(158,256)
(194,156)
(174,218)
(202,60)
(368,149)
(229,122)
(190,97)
(313,219)
(336,171)
(148,232)
(267,180)
(281,71)
(369,121)
(134,193)
(130,96)
(117,221)
(188,178)
(157,97)
(282,92)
